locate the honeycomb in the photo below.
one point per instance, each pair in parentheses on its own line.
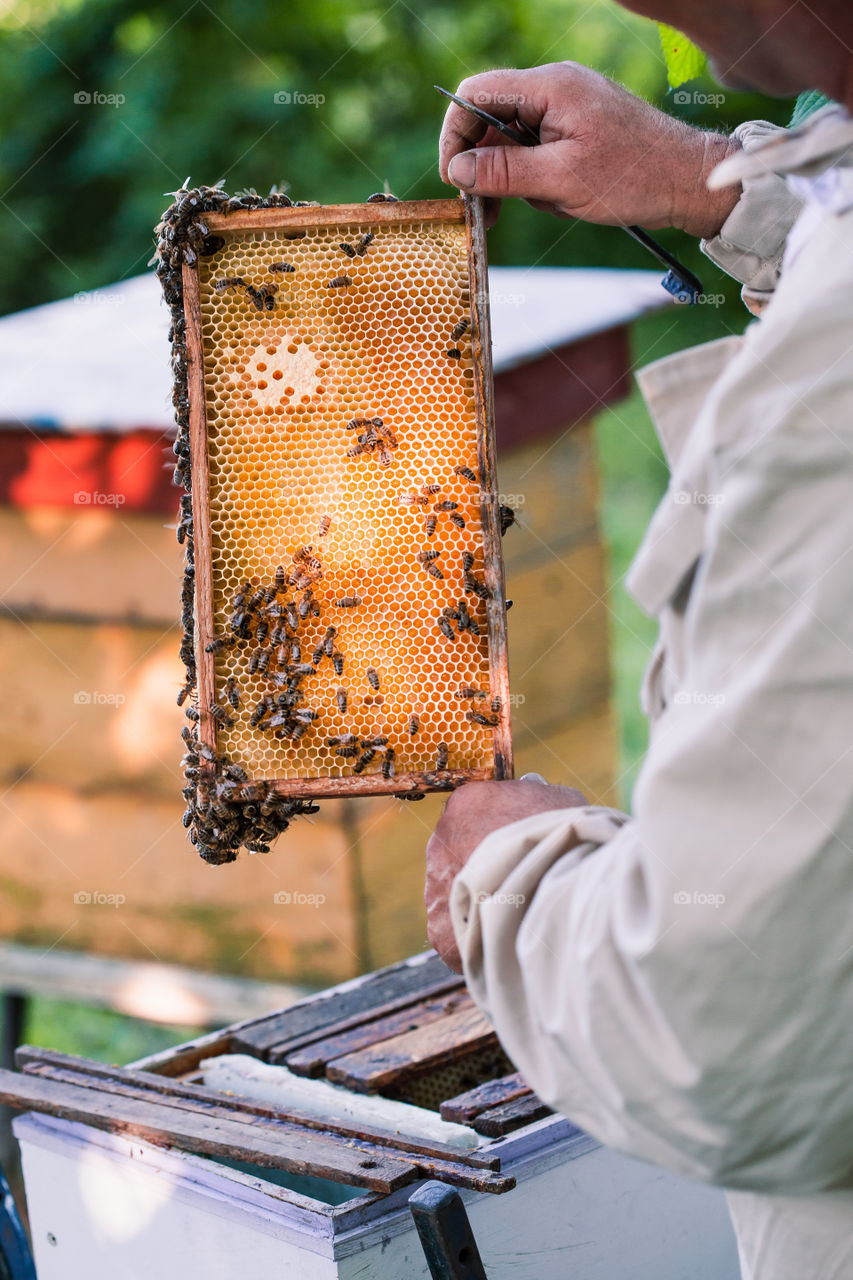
(301,337)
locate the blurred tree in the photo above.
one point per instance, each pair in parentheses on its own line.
(332,97)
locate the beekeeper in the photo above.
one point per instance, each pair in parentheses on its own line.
(680,982)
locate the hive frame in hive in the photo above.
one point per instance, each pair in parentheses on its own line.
(468,214)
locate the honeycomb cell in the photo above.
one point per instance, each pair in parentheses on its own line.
(289,470)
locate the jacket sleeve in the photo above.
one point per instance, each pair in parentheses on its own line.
(681,984)
(751,242)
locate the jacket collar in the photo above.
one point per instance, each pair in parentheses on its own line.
(825,141)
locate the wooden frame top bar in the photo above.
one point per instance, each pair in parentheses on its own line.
(325,214)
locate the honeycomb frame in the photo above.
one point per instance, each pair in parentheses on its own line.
(450,237)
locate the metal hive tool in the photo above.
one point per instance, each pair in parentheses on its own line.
(349,629)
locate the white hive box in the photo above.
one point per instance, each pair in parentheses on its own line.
(106,1206)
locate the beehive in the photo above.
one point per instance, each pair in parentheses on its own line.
(302,323)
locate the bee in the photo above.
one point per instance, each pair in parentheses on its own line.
(355,450)
(363,243)
(342,740)
(304,606)
(348,602)
(497,706)
(317,655)
(415,500)
(264,659)
(449,612)
(373,678)
(364,760)
(219,643)
(295,651)
(294,235)
(477,717)
(409,795)
(184,693)
(325,525)
(453,353)
(434,571)
(338,663)
(256,601)
(414,726)
(475,587)
(279,578)
(192,713)
(446,504)
(211,245)
(432,522)
(458,520)
(385,456)
(339,282)
(446,628)
(467,474)
(232,692)
(373,742)
(328,641)
(347,249)
(341,700)
(230,282)
(303,669)
(388,763)
(507,518)
(355,423)
(381,197)
(285,267)
(467,561)
(292,616)
(348,751)
(458,329)
(187,817)
(426,557)
(441,757)
(262,630)
(305,715)
(220,715)
(469,691)
(256,846)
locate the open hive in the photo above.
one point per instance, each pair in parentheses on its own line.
(346,578)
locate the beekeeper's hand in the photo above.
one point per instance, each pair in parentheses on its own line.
(472,813)
(604,156)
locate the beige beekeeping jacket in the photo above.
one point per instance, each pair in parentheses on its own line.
(680,983)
